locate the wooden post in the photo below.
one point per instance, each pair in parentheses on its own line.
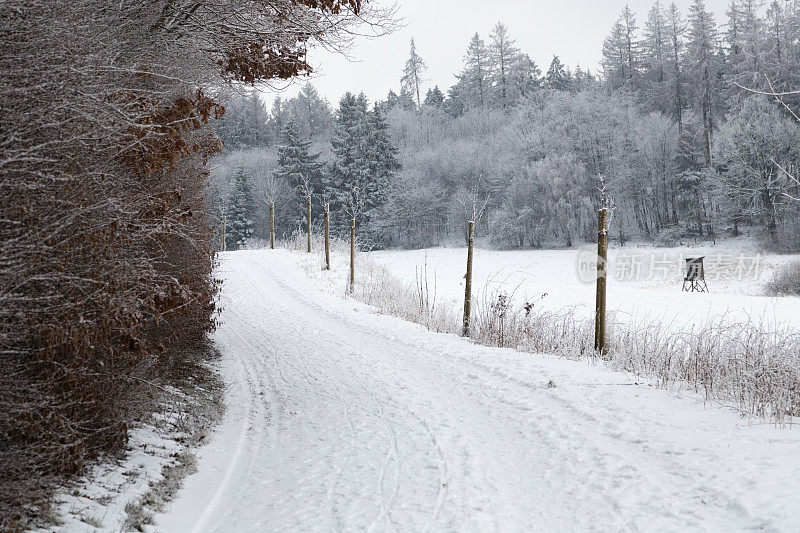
(222,237)
(602,273)
(327,236)
(352,254)
(308,219)
(468,277)
(272,225)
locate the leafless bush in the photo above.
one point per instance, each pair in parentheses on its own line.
(298,240)
(413,302)
(786,281)
(755,367)
(498,322)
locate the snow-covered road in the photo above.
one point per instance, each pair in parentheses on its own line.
(340,419)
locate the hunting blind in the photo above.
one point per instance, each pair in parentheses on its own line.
(695,278)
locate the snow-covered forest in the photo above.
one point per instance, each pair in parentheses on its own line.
(673,126)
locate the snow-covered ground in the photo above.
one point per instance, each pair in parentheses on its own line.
(339,418)
(98,501)
(644,282)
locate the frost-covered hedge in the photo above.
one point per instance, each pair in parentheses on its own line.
(786,280)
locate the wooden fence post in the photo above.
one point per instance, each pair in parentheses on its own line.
(222,237)
(602,274)
(308,219)
(352,254)
(272,225)
(327,236)
(468,277)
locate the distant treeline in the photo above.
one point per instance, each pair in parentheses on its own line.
(675,130)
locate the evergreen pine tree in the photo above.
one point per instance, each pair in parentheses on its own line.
(434,98)
(296,165)
(676,29)
(348,177)
(239,214)
(503,56)
(557,77)
(703,66)
(365,160)
(655,54)
(525,76)
(391,100)
(406,100)
(244,124)
(474,79)
(383,161)
(621,52)
(582,79)
(455,105)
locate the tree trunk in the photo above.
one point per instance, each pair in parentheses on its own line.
(308,220)
(602,272)
(468,279)
(327,236)
(272,225)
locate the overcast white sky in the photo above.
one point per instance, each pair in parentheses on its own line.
(572,29)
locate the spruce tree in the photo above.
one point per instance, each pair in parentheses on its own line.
(621,52)
(406,100)
(296,165)
(455,104)
(383,161)
(348,177)
(676,28)
(503,55)
(557,77)
(364,163)
(434,98)
(392,100)
(474,79)
(244,124)
(239,214)
(655,54)
(703,67)
(525,76)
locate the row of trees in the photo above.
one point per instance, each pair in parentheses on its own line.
(674,63)
(247,122)
(497,74)
(105,232)
(672,128)
(353,177)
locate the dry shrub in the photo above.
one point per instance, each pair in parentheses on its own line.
(786,281)
(413,302)
(497,322)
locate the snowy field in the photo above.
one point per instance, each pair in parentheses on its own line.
(644,283)
(341,419)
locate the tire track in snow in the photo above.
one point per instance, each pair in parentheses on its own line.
(223,487)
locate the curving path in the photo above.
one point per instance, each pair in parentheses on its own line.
(339,419)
